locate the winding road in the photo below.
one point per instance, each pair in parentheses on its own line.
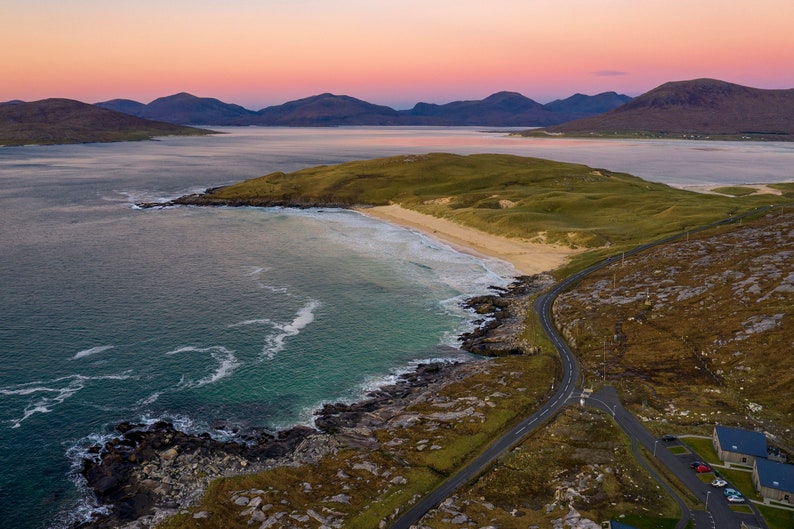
(717,515)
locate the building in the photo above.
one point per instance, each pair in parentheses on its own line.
(734,445)
(773,480)
(619,525)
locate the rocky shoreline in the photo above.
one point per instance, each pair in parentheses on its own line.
(150,472)
(207,199)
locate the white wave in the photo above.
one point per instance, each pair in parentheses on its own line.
(275,343)
(227,364)
(189,425)
(252,322)
(92,351)
(373,383)
(256,271)
(148,400)
(376,382)
(53,392)
(86,507)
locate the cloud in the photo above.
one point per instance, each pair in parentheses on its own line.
(609,73)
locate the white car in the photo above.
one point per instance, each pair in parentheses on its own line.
(735,499)
(719,482)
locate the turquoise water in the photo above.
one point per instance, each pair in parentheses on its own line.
(251,316)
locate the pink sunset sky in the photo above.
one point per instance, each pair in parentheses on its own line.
(258,53)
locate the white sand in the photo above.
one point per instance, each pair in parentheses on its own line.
(760,189)
(527,257)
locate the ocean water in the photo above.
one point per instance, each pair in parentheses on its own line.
(254,317)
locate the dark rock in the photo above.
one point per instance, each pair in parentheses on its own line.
(500,333)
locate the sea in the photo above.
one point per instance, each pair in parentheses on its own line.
(246,317)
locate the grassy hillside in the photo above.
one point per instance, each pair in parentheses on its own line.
(514,196)
(697,331)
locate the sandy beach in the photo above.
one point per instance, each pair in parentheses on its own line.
(527,257)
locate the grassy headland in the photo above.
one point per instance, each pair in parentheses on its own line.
(530,199)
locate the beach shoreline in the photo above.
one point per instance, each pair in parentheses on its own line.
(526,257)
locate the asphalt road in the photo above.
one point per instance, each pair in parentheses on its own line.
(715,514)
(568,385)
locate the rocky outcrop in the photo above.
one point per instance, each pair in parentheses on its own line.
(149,471)
(210,198)
(500,332)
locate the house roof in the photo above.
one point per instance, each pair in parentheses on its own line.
(741,441)
(618,525)
(778,476)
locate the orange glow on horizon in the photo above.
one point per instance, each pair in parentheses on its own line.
(262,53)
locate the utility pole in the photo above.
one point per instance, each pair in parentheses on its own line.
(605,360)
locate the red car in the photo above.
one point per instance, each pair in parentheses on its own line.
(702,469)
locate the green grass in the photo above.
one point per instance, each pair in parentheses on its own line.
(741,480)
(786,188)
(736,191)
(513,196)
(777,518)
(703,447)
(683,492)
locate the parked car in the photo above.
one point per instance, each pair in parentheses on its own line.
(732,492)
(735,499)
(702,469)
(719,482)
(668,437)
(695,464)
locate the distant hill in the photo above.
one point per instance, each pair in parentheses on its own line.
(54,121)
(327,109)
(184,109)
(585,105)
(701,108)
(127,106)
(503,109)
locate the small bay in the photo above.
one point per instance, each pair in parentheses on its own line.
(253,317)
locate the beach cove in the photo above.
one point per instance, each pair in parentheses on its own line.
(190,316)
(526,256)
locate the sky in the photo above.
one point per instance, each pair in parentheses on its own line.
(258,53)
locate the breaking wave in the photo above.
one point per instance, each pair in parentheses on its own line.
(227,363)
(48,394)
(92,351)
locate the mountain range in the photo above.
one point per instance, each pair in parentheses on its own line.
(700,108)
(696,109)
(503,109)
(56,121)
